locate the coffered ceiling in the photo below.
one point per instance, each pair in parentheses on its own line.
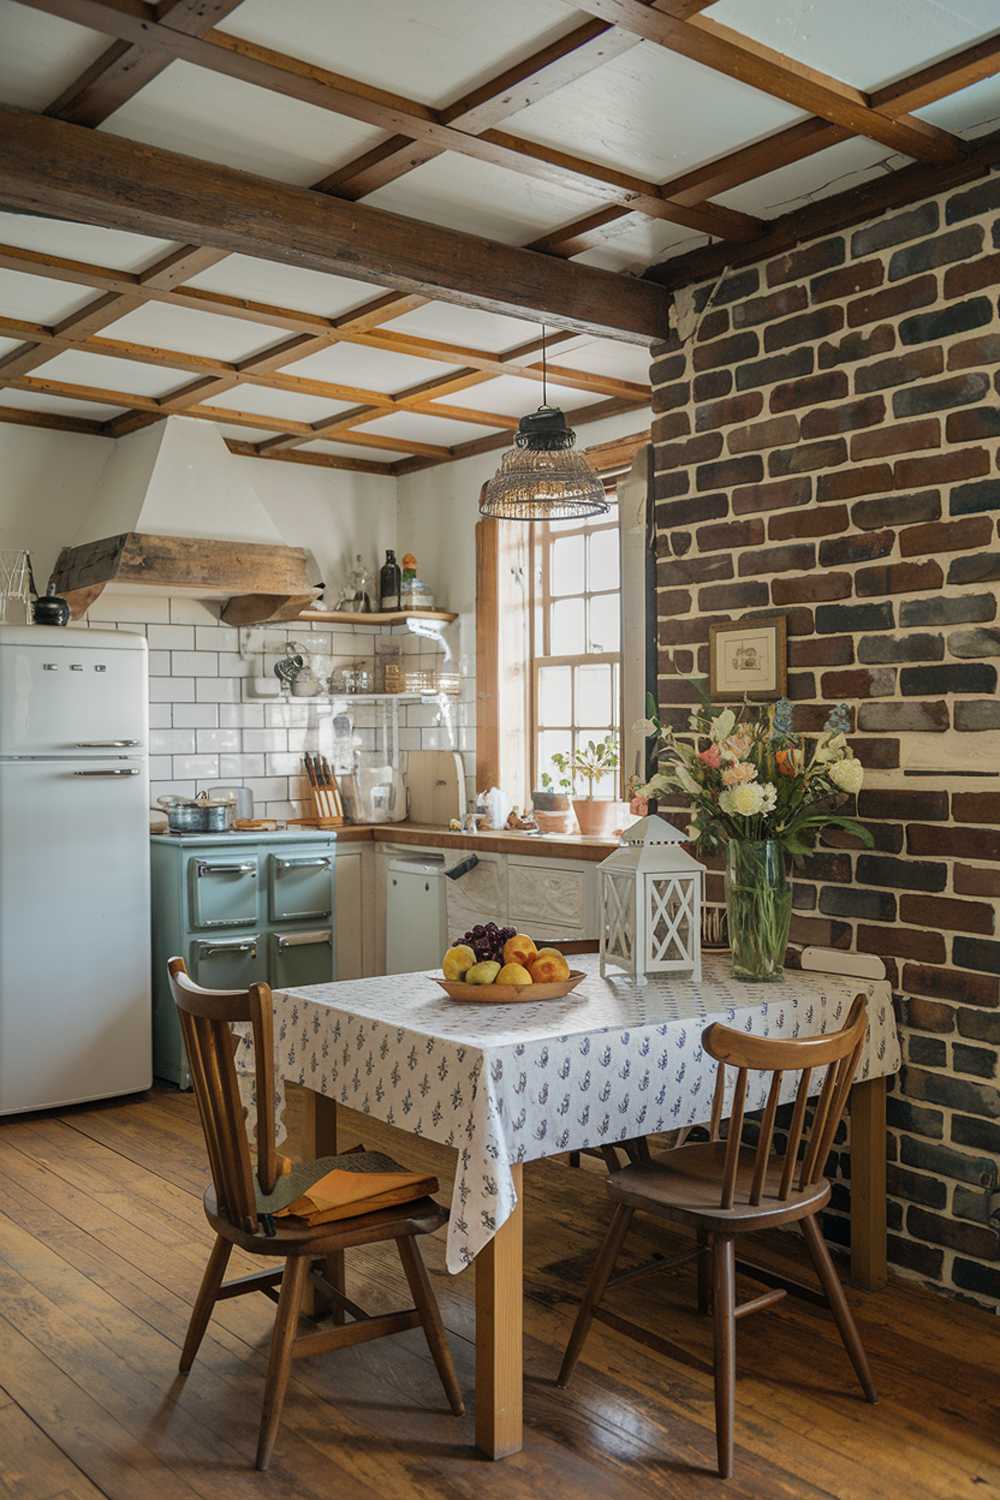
(404,331)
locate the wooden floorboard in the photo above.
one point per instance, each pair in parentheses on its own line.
(102,1245)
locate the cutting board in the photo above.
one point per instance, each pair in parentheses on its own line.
(435,780)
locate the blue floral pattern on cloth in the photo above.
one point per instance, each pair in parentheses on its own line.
(617,1058)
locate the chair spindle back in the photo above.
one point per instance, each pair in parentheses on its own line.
(839,1053)
(205,1017)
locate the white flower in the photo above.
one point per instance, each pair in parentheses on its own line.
(722,726)
(770,801)
(644,727)
(687,781)
(830,747)
(847,775)
(749,800)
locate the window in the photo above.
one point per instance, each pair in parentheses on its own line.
(575,641)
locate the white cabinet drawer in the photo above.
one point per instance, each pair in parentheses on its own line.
(549,896)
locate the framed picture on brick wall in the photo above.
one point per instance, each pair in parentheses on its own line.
(748,659)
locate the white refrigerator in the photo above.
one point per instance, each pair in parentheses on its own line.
(75,1014)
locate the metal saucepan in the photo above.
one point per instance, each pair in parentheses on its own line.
(197,815)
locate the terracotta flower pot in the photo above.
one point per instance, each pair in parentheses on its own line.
(598,817)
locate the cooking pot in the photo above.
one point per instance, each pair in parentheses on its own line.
(197,815)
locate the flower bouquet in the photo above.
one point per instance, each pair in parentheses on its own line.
(762,793)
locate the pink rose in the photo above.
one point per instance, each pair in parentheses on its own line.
(639,806)
(711,757)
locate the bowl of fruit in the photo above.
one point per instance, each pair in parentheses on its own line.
(500,966)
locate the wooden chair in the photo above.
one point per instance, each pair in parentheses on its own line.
(238,1208)
(722,1188)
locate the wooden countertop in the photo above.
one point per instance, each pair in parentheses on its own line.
(546,845)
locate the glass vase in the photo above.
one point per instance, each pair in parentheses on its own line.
(759,908)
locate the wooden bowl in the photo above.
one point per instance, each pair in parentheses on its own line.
(510,994)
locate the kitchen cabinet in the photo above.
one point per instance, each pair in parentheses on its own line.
(241,908)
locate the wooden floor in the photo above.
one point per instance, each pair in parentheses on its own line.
(102,1243)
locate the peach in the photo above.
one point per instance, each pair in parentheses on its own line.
(549,967)
(520,949)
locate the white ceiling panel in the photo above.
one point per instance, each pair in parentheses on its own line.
(183,328)
(345,450)
(862,43)
(115,374)
(7,345)
(434,51)
(373,369)
(62,406)
(284,286)
(41,56)
(482,199)
(652,112)
(103,247)
(513,396)
(471,327)
(223,120)
(36,299)
(633,243)
(415,427)
(834,170)
(265,402)
(607,357)
(969,112)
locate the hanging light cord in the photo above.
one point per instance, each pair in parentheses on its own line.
(545,389)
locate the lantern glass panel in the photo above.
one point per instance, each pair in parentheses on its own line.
(671,907)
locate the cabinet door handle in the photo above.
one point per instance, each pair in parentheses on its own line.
(303,939)
(213,950)
(105,744)
(248,868)
(132,771)
(323,863)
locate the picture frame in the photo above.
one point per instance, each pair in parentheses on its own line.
(748,659)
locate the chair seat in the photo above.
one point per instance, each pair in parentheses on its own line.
(421,1216)
(686,1185)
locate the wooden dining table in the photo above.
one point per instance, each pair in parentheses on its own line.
(617,1060)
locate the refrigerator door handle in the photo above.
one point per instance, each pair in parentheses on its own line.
(132,771)
(106,744)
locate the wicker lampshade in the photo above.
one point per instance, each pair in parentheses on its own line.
(541,478)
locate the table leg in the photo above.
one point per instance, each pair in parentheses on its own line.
(499,1329)
(320,1129)
(868,1186)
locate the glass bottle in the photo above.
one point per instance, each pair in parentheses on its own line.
(389,582)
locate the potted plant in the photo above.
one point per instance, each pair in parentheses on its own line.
(598,817)
(763,795)
(552,809)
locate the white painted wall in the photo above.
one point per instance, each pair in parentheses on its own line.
(47,480)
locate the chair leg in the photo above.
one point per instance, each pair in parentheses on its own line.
(207,1293)
(293,1285)
(724,1310)
(574,1158)
(430,1316)
(827,1273)
(704,1271)
(604,1265)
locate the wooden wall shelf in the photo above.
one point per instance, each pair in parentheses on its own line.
(377,617)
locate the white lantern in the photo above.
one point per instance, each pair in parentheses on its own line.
(651,893)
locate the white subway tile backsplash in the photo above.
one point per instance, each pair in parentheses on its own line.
(284,765)
(196,663)
(196,716)
(218,689)
(196,765)
(216,638)
(171,689)
(172,742)
(267,788)
(265,739)
(171,637)
(241,715)
(231,664)
(239,767)
(160,767)
(171,789)
(159,716)
(159,663)
(214,740)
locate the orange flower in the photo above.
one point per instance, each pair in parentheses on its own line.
(787,762)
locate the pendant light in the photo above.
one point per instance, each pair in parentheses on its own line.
(541,478)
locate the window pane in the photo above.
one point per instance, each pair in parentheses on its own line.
(605,623)
(593,695)
(603,560)
(555,701)
(566,628)
(550,741)
(566,565)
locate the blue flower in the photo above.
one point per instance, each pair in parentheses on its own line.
(782,719)
(839,720)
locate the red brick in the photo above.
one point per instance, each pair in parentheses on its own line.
(770,434)
(952,916)
(898,437)
(774,496)
(821,587)
(852,482)
(861,276)
(916,364)
(984,349)
(779,304)
(946,536)
(831,419)
(897,510)
(976,807)
(694,450)
(976,880)
(902,942)
(777,560)
(688,632)
(730,471)
(819,256)
(732,596)
(672,602)
(929,1015)
(811,522)
(804,328)
(877,755)
(823,650)
(901,805)
(730,534)
(729,409)
(671,571)
(712,324)
(951,984)
(941,468)
(854,346)
(711,384)
(691,509)
(825,454)
(862,546)
(727,351)
(972,276)
(958,842)
(897,578)
(892,301)
(672,482)
(831,385)
(973,425)
(860,682)
(672,424)
(817,932)
(667,397)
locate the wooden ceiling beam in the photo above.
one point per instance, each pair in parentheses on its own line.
(315,460)
(941,78)
(737,56)
(576,418)
(49,167)
(52,421)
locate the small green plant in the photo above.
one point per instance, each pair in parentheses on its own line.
(593,762)
(565,784)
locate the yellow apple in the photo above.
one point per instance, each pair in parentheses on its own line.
(458,961)
(514,974)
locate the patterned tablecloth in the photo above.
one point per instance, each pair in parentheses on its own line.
(511,1083)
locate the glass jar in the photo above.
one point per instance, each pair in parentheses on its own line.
(759,908)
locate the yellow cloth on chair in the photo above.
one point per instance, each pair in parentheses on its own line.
(348,1191)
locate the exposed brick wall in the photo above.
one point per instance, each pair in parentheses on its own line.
(826,446)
